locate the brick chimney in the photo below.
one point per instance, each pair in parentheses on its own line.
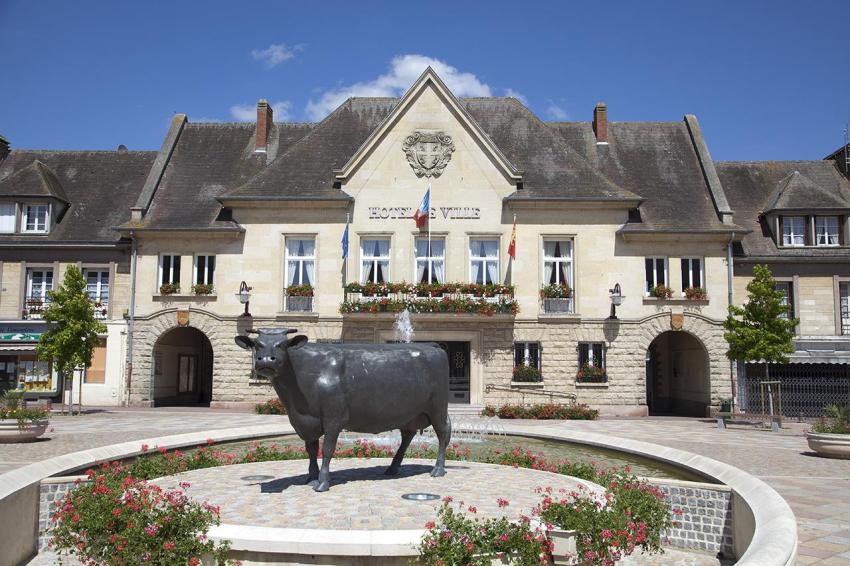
(600,122)
(4,148)
(264,124)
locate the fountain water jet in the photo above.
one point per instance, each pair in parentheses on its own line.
(403,327)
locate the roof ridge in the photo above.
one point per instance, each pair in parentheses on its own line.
(115,151)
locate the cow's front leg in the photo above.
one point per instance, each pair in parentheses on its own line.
(312,447)
(328,448)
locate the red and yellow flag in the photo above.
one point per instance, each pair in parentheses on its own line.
(512,245)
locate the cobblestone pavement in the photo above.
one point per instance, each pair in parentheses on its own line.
(361,497)
(818,489)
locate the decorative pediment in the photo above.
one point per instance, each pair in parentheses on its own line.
(429,153)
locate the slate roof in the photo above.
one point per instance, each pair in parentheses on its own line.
(656,160)
(209,159)
(100,186)
(34,180)
(756,187)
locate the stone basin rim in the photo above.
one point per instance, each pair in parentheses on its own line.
(773,542)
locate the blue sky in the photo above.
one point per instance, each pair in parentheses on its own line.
(768,80)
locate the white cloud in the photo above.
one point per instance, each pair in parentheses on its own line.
(275,54)
(403,71)
(518,95)
(555,112)
(248,112)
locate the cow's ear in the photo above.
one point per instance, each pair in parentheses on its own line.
(245,342)
(296,342)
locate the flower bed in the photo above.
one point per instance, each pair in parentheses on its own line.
(460,304)
(661,292)
(527,374)
(552,411)
(696,294)
(270,407)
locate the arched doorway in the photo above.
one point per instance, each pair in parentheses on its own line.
(677,376)
(182,368)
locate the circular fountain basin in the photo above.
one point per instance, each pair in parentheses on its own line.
(364,514)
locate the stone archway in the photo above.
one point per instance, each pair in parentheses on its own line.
(678,375)
(182,368)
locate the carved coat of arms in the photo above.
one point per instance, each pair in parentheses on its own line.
(428,152)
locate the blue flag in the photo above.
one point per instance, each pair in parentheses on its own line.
(345,242)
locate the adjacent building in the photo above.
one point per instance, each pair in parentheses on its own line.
(58,208)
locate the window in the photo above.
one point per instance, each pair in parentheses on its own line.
(787,288)
(39,282)
(169,269)
(430,263)
(300,261)
(656,272)
(96,372)
(527,354)
(558,262)
(827,230)
(187,367)
(691,272)
(375,260)
(484,261)
(844,299)
(7,217)
(793,230)
(35,218)
(591,354)
(204,269)
(97,285)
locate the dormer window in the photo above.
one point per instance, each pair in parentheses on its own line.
(793,230)
(35,218)
(827,230)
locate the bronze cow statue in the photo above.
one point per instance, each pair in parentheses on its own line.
(369,388)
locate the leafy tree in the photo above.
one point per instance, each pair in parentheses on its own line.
(758,331)
(72,337)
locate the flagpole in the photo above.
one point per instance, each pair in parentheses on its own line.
(430,260)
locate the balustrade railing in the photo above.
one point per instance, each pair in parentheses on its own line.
(458,298)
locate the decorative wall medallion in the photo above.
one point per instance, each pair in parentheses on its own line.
(677,321)
(428,152)
(183,318)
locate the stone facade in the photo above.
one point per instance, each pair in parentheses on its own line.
(706,521)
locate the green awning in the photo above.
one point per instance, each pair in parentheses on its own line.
(20,337)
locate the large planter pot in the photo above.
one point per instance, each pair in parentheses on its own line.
(11,432)
(830,445)
(564,546)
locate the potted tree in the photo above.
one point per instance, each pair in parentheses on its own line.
(71,338)
(299,298)
(18,423)
(762,329)
(557,298)
(831,437)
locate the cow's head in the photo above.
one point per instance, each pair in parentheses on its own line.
(270,347)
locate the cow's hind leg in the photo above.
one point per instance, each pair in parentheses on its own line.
(328,448)
(312,447)
(406,437)
(443,428)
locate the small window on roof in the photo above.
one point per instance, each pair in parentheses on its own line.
(7,217)
(35,218)
(793,230)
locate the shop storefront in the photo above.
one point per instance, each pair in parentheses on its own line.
(20,367)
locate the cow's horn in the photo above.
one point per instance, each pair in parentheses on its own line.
(291,330)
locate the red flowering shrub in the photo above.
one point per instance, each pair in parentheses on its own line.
(458,538)
(554,411)
(119,519)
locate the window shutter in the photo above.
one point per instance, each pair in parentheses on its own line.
(582,355)
(175,259)
(780,240)
(166,269)
(649,273)
(518,354)
(685,271)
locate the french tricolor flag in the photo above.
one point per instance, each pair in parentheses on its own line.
(424,211)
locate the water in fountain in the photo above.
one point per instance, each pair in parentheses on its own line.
(403,327)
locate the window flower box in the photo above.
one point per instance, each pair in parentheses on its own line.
(202,289)
(591,374)
(527,374)
(661,292)
(169,288)
(696,294)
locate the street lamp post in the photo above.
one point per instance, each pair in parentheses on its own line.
(616,300)
(244,296)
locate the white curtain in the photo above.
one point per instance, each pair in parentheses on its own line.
(292,271)
(307,275)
